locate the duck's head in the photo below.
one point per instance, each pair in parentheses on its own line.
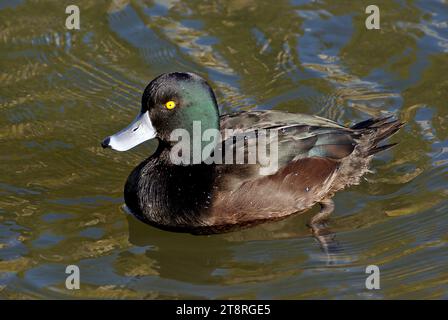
(170,101)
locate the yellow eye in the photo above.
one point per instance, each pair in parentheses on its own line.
(170,104)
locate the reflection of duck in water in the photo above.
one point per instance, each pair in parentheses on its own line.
(316,158)
(172,255)
(222,260)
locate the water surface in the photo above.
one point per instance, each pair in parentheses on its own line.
(63,91)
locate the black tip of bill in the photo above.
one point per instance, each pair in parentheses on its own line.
(105,143)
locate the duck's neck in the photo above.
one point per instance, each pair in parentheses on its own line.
(196,140)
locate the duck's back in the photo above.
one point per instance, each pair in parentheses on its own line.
(316,158)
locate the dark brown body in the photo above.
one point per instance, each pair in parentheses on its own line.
(318,158)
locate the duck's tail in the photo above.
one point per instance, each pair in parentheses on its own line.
(377,129)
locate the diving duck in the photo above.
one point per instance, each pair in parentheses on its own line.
(316,157)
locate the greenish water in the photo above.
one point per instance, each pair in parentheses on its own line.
(62,91)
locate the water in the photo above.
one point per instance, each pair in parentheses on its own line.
(63,91)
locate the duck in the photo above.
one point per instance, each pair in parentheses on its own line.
(315,158)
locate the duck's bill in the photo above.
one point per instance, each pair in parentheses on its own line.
(138,131)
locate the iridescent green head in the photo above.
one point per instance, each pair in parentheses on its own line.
(170,101)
